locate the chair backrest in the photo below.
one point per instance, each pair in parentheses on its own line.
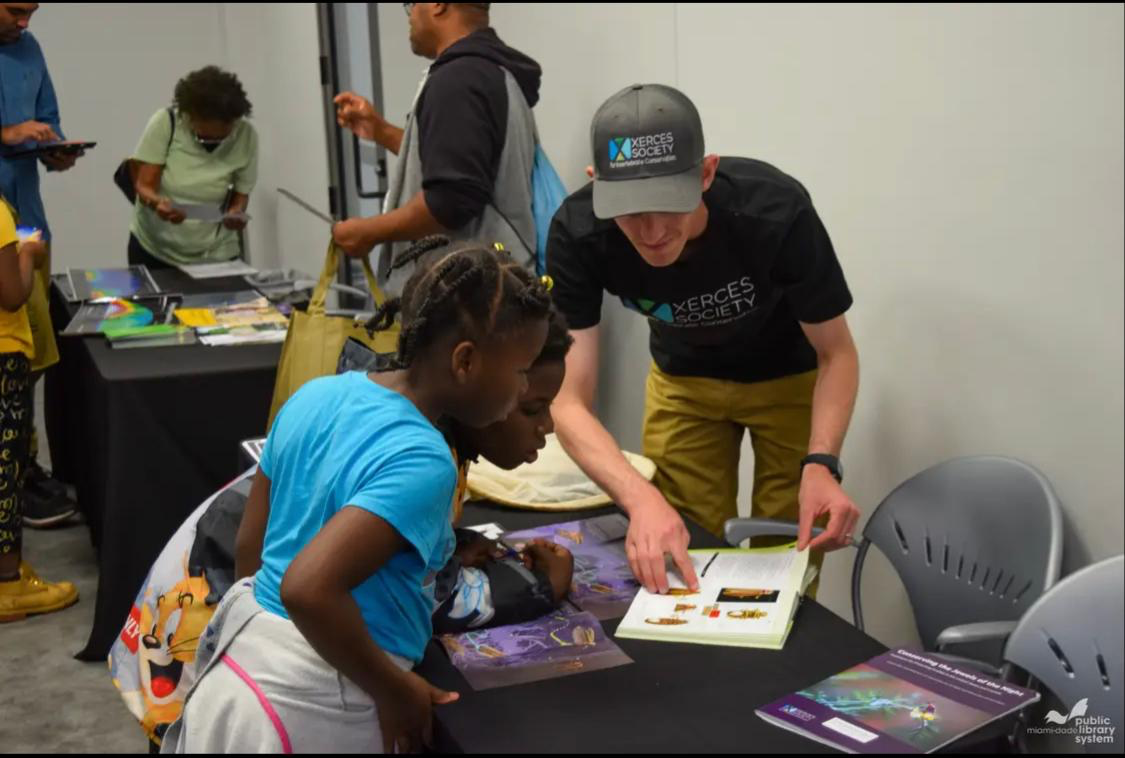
(1070,640)
(973,540)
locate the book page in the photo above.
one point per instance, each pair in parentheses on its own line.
(745,593)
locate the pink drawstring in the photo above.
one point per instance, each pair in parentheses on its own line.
(286,745)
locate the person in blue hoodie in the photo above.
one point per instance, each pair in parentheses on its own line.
(467,148)
(29,114)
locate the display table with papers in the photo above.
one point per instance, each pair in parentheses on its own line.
(145,435)
(672,698)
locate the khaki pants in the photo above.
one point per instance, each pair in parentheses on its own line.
(693,432)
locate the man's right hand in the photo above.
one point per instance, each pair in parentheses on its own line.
(28,131)
(655,528)
(357,114)
(406,713)
(165,210)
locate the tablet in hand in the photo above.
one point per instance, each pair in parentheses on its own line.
(29,234)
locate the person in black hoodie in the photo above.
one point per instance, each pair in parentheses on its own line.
(466,150)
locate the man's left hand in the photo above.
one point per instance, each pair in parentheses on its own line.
(61,161)
(821,495)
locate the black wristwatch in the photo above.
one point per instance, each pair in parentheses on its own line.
(830,462)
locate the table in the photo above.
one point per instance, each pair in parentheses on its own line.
(673,698)
(145,435)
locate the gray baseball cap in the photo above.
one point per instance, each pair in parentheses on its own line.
(648,152)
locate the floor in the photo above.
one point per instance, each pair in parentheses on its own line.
(50,702)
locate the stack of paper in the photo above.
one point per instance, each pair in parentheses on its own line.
(247,323)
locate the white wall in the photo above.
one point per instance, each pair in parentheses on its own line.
(967,161)
(114,64)
(274,49)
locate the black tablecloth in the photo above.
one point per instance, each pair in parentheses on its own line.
(673,698)
(145,435)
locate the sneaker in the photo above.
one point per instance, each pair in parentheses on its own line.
(41,511)
(29,596)
(40,480)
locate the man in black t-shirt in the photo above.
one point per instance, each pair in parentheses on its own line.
(745,298)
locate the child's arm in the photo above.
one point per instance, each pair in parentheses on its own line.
(252,529)
(316,591)
(17,266)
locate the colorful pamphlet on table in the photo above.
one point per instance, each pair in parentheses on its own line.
(246,322)
(570,640)
(899,702)
(564,642)
(116,315)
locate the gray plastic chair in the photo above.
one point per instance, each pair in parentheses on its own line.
(1071,641)
(975,542)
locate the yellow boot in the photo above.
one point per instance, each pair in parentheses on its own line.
(29,595)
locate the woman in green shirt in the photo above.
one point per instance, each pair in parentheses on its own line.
(202,151)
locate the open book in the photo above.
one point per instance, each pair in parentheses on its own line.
(746,598)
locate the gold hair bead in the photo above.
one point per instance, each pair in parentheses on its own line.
(498,246)
(547,282)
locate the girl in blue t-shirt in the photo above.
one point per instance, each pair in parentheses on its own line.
(355,489)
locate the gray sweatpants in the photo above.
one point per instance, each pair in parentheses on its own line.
(265,690)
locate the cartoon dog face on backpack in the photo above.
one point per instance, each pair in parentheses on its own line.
(170,632)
